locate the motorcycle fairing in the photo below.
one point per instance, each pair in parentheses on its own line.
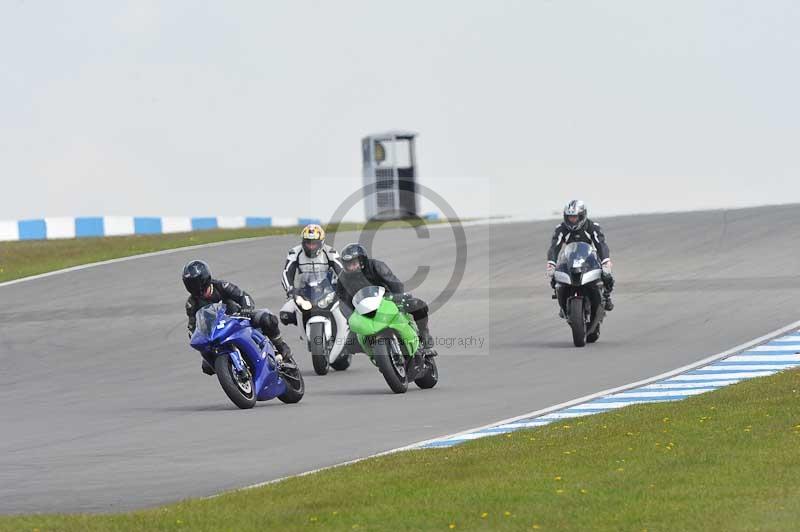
(388,315)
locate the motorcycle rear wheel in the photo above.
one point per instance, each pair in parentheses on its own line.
(593,337)
(343,362)
(431,376)
(295,386)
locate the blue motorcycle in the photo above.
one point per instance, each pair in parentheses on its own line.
(244,359)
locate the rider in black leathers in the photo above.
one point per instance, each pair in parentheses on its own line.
(360,271)
(577,227)
(205,290)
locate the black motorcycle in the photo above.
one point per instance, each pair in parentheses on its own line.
(579,290)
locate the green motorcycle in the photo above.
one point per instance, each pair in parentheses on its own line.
(389,336)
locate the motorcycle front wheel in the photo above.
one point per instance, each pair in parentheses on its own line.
(390,360)
(319,357)
(239,389)
(577,321)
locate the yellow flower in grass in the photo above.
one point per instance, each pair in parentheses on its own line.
(559,491)
(507,513)
(452,526)
(484,515)
(557,478)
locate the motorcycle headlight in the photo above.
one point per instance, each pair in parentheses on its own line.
(327,300)
(303,303)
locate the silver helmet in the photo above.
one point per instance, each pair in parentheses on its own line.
(575,215)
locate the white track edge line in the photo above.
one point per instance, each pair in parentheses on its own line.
(536,413)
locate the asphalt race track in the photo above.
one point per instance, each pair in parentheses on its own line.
(103,406)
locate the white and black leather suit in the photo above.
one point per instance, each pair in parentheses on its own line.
(297,261)
(591,233)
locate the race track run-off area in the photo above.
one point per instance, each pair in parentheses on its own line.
(104,406)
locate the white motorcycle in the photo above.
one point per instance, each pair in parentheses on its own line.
(315,308)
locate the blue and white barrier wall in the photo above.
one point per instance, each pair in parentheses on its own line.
(99,226)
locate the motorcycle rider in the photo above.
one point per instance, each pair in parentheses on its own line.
(312,255)
(205,290)
(577,227)
(360,271)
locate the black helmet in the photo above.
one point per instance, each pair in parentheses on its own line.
(575,215)
(196,277)
(353,254)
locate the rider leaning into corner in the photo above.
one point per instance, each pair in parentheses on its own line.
(360,271)
(312,255)
(577,227)
(205,290)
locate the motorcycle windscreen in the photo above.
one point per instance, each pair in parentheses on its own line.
(315,285)
(368,299)
(207,318)
(574,255)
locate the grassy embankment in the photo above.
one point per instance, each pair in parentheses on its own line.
(32,257)
(726,460)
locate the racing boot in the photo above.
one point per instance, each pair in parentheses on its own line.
(608,286)
(607,303)
(282,349)
(207,369)
(427,345)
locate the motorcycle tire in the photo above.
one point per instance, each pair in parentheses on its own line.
(295,386)
(343,362)
(431,376)
(592,338)
(577,322)
(241,393)
(389,358)
(319,357)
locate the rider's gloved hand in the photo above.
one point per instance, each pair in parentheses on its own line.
(290,293)
(551,268)
(607,265)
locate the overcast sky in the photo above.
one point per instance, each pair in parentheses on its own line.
(244,108)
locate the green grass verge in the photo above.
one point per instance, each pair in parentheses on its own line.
(726,460)
(32,257)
